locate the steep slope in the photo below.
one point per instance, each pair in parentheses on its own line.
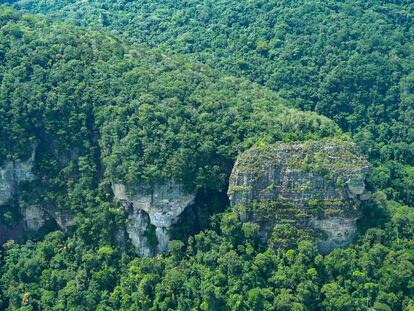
(102,112)
(349,60)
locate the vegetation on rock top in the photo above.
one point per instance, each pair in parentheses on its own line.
(104,107)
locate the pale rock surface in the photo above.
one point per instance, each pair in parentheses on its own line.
(64,218)
(34,217)
(138,225)
(11,174)
(158,205)
(339,231)
(316,185)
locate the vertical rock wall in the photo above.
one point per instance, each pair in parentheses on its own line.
(11,174)
(152,211)
(317,185)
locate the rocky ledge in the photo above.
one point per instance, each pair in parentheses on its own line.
(152,210)
(316,186)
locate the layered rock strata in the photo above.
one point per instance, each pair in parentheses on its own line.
(317,186)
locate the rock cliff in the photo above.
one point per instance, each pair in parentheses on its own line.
(152,211)
(33,217)
(317,186)
(12,173)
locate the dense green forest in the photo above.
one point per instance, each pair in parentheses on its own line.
(351,61)
(175,91)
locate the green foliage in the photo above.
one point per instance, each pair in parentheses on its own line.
(156,117)
(101,108)
(227,271)
(349,60)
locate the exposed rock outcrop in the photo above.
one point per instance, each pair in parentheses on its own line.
(34,217)
(152,211)
(12,173)
(139,231)
(317,186)
(64,218)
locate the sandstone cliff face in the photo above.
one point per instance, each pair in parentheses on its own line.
(152,211)
(317,186)
(11,174)
(34,217)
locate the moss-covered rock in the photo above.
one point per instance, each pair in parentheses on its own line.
(316,185)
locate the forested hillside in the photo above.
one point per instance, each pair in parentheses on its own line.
(168,117)
(175,92)
(349,60)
